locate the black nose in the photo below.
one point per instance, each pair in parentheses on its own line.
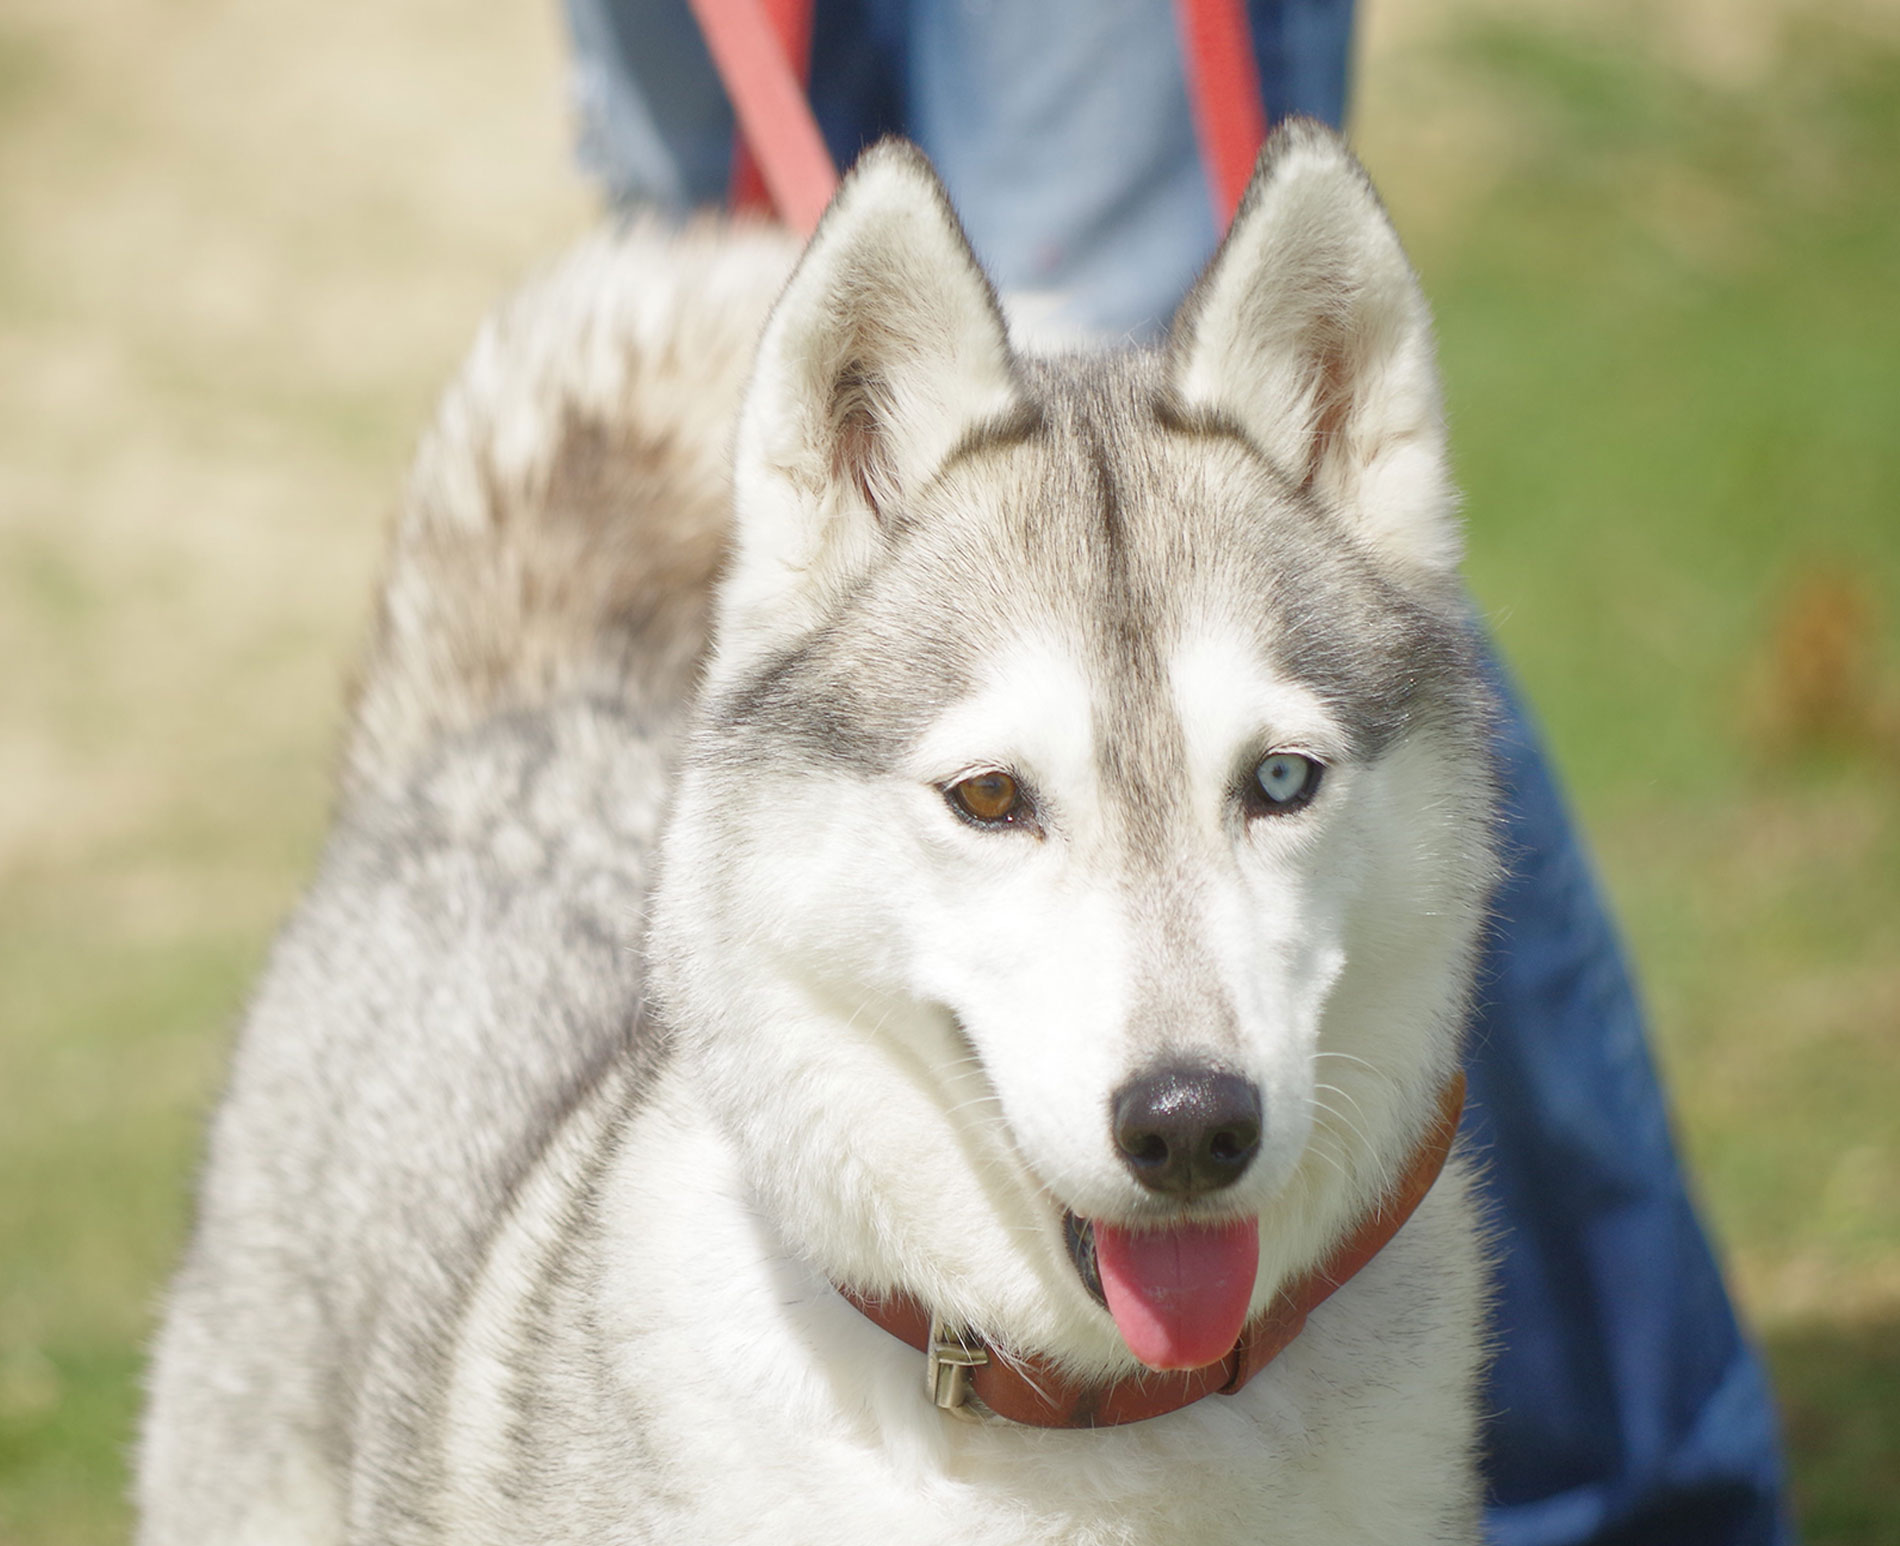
(1187,1131)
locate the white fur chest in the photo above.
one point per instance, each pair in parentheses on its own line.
(704,1387)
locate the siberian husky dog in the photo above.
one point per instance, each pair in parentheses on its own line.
(856,836)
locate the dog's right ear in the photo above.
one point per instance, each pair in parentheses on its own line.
(886,350)
(1309,333)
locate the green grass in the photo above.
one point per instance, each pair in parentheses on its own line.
(1837,1389)
(119,1044)
(1672,350)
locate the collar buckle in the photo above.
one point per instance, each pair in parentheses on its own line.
(949,1357)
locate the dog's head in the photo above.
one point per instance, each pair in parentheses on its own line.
(1087,821)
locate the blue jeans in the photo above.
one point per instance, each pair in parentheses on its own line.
(1626,1408)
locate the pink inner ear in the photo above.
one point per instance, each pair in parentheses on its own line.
(860,449)
(1332,395)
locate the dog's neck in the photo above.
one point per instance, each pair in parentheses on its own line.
(968,1377)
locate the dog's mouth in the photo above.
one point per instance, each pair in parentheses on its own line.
(1079,1234)
(1178,1294)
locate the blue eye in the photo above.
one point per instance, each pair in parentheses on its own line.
(1284,781)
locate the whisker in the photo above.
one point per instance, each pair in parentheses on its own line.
(1344,1121)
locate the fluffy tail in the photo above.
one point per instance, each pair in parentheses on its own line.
(567,511)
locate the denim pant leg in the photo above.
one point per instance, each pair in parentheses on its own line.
(1626,1407)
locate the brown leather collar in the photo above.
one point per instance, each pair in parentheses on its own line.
(1026,1388)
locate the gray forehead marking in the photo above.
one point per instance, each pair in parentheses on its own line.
(1198,423)
(1115,515)
(1014,427)
(1380,660)
(784,702)
(1375,654)
(1079,537)
(1108,498)
(848,694)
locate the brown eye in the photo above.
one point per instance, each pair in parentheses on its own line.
(988,798)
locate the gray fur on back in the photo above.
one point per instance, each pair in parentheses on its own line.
(466,963)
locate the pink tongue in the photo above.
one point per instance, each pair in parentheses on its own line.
(1179,1296)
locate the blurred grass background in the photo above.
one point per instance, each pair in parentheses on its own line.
(242,244)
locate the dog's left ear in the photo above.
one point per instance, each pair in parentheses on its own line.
(886,350)
(1309,332)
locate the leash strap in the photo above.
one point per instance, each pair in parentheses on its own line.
(762,50)
(1224,91)
(1031,1390)
(791,24)
(775,120)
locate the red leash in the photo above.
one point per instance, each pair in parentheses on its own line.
(753,54)
(791,25)
(762,50)
(1224,89)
